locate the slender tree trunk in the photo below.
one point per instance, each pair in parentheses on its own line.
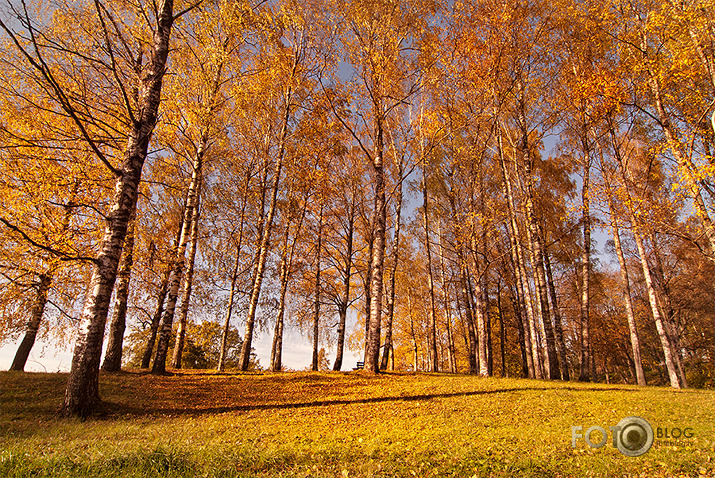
(517,305)
(462,293)
(113,355)
(488,317)
(259,269)
(558,327)
(667,312)
(156,319)
(633,331)
(533,333)
(450,336)
(480,313)
(481,330)
(652,296)
(484,283)
(432,336)
(447,308)
(387,349)
(82,393)
(472,350)
(524,149)
(167,321)
(229,309)
(537,256)
(33,324)
(538,314)
(345,302)
(316,293)
(584,374)
(368,287)
(43,287)
(277,345)
(502,334)
(187,282)
(234,278)
(522,298)
(260,266)
(635,342)
(413,335)
(372,354)
(287,254)
(186,286)
(522,307)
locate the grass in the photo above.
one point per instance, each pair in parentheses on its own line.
(343,424)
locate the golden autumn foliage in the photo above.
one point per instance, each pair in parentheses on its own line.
(517,130)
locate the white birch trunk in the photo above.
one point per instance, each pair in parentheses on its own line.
(82,393)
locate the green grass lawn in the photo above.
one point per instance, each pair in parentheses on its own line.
(344,424)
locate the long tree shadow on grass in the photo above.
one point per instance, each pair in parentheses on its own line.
(127,409)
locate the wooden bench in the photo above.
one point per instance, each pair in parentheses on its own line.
(359,366)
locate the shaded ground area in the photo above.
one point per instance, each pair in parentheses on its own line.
(343,424)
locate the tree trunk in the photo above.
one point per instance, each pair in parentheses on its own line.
(343,308)
(387,349)
(262,258)
(234,278)
(229,309)
(377,263)
(462,293)
(156,319)
(484,282)
(113,355)
(652,297)
(447,309)
(502,334)
(368,286)
(432,336)
(259,270)
(653,300)
(413,335)
(633,331)
(33,324)
(517,306)
(558,327)
(167,321)
(584,374)
(533,333)
(668,313)
(488,317)
(635,342)
(480,312)
(187,284)
(516,258)
(82,393)
(481,330)
(287,254)
(316,294)
(277,345)
(469,318)
(537,256)
(43,287)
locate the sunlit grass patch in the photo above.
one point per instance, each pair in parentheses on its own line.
(343,424)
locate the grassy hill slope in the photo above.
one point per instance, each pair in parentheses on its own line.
(345,424)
